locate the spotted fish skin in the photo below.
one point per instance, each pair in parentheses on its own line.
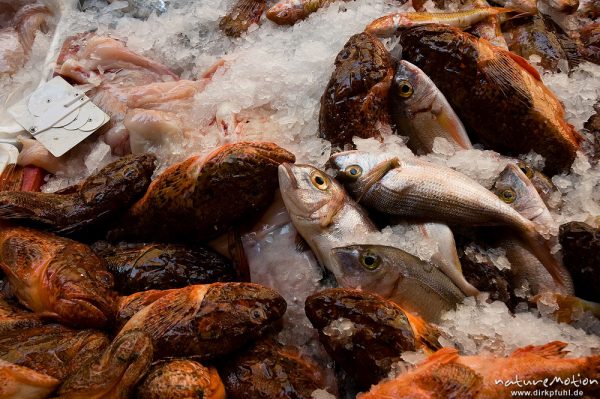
(115,372)
(381,331)
(60,278)
(97,198)
(355,99)
(208,321)
(201,198)
(52,349)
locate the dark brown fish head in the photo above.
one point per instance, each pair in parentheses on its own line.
(116,372)
(126,179)
(249,373)
(81,287)
(356,97)
(245,308)
(181,378)
(364,333)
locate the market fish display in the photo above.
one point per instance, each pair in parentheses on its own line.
(181,378)
(268,369)
(98,198)
(355,101)
(418,286)
(447,374)
(150,266)
(366,334)
(115,373)
(421,111)
(243,14)
(498,95)
(18,28)
(208,321)
(322,212)
(22,383)
(388,25)
(52,349)
(418,189)
(202,197)
(59,278)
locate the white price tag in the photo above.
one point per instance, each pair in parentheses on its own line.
(59,116)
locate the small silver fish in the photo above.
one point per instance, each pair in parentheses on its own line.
(414,284)
(417,189)
(322,212)
(422,112)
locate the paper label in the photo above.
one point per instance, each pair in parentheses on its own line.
(59,116)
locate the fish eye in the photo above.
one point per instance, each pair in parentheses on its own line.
(405,89)
(258,314)
(508,195)
(353,171)
(370,261)
(320,181)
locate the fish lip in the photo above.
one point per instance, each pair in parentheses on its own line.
(287,169)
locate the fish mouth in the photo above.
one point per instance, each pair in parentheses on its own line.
(286,173)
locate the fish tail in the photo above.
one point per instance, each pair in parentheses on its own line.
(540,248)
(569,307)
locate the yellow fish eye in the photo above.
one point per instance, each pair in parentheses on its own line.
(370,261)
(509,196)
(353,171)
(405,89)
(320,181)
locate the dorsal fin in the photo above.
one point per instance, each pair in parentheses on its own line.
(524,64)
(550,350)
(426,334)
(442,356)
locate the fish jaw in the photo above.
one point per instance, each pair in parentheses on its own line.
(357,185)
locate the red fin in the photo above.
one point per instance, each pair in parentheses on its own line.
(426,334)
(33,178)
(11,178)
(443,356)
(550,350)
(524,64)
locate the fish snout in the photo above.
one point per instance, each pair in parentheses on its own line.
(287,179)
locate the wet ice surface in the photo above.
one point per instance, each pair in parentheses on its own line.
(480,327)
(274,77)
